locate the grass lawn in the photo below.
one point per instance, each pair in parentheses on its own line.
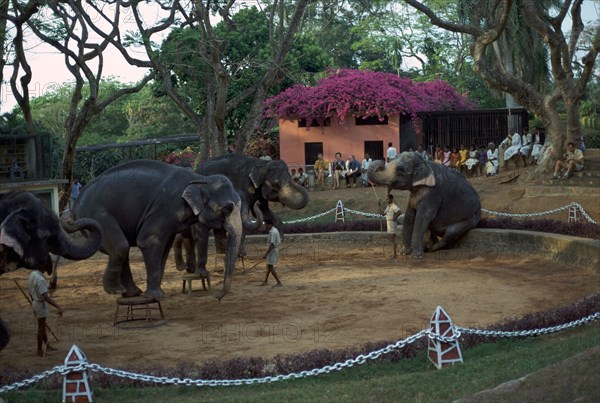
(411,380)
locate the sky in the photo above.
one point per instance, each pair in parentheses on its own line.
(49,69)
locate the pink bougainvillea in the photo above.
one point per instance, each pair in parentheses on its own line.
(363,93)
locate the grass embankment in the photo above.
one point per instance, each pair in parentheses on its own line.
(410,380)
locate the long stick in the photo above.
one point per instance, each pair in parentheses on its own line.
(30,303)
(260,261)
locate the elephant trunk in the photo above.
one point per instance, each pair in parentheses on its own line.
(293,195)
(381,174)
(233,226)
(247,222)
(72,248)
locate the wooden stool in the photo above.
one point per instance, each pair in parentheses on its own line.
(188,279)
(139,303)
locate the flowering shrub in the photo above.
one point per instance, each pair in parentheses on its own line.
(183,158)
(363,93)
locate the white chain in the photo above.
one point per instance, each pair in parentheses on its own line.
(361,359)
(541,213)
(516,215)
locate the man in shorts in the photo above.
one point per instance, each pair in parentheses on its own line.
(40,298)
(272,254)
(391,213)
(573,162)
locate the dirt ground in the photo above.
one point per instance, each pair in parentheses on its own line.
(334,295)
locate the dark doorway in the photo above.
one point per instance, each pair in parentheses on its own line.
(310,152)
(375,149)
(408,135)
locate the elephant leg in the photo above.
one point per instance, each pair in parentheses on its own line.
(189,246)
(117,248)
(178,253)
(200,235)
(423,218)
(131,290)
(155,251)
(407,229)
(455,231)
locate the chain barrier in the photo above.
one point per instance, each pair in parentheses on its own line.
(496,213)
(360,359)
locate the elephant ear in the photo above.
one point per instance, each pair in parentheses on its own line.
(11,230)
(257,175)
(194,196)
(423,175)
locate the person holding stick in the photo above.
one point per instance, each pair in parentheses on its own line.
(40,298)
(272,254)
(391,213)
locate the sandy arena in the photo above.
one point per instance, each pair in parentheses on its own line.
(334,296)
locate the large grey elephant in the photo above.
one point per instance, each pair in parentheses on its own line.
(256,180)
(30,231)
(145,204)
(441,201)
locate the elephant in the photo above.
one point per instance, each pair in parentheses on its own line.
(256,180)
(145,203)
(30,231)
(441,201)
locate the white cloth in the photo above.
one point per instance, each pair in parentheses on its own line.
(537,147)
(389,212)
(37,288)
(364,166)
(527,144)
(492,164)
(275,239)
(472,160)
(391,153)
(514,146)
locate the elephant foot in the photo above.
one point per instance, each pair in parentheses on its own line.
(113,288)
(155,294)
(406,252)
(203,273)
(189,270)
(416,255)
(181,267)
(132,293)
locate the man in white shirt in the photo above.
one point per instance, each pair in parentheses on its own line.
(391,152)
(391,213)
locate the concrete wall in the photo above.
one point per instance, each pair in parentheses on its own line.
(347,138)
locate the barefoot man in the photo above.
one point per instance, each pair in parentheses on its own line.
(40,298)
(391,213)
(272,254)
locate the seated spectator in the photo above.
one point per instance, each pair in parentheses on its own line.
(573,161)
(421,151)
(525,149)
(294,175)
(481,160)
(364,166)
(492,160)
(301,178)
(537,145)
(438,154)
(471,163)
(446,159)
(464,154)
(321,170)
(338,168)
(353,171)
(455,158)
(511,145)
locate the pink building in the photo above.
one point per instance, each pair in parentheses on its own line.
(299,146)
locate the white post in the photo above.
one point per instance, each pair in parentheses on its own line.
(443,353)
(76,385)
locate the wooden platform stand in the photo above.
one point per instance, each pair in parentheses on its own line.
(188,280)
(135,304)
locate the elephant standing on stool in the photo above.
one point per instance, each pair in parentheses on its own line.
(30,231)
(145,204)
(255,180)
(441,201)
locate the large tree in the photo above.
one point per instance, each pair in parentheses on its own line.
(486,27)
